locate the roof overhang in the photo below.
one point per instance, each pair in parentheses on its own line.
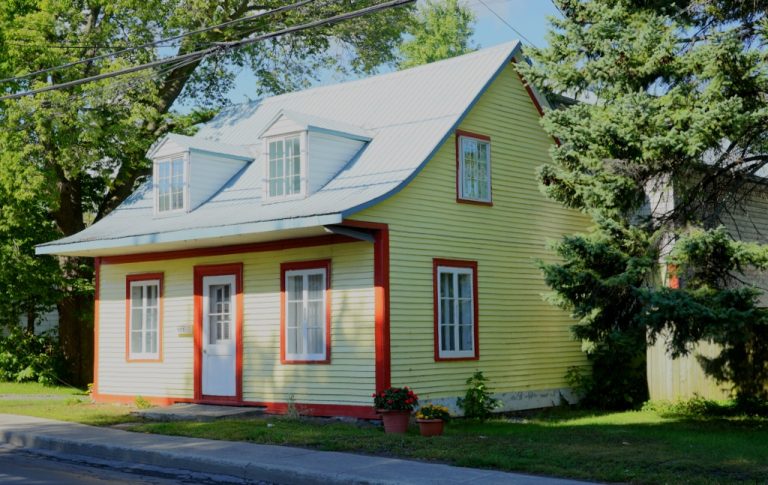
(196,238)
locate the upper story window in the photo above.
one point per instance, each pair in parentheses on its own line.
(284,167)
(473,179)
(170,183)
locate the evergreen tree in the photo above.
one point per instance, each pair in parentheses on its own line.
(674,107)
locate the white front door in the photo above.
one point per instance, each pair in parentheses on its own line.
(219,343)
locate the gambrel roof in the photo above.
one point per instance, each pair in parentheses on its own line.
(403,117)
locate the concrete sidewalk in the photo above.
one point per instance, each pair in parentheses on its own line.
(243,461)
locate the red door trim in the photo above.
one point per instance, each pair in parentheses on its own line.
(200,272)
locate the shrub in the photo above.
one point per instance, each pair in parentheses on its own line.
(478,402)
(26,357)
(396,399)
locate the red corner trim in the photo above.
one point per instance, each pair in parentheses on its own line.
(457,139)
(200,272)
(382,296)
(96,309)
(143,277)
(317,264)
(455,263)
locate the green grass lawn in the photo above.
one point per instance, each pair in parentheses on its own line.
(650,446)
(62,403)
(35,388)
(638,447)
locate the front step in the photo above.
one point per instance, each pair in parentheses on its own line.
(197,412)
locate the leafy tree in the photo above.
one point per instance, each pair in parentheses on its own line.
(441,29)
(674,108)
(84,147)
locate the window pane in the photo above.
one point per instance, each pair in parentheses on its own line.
(446,285)
(294,287)
(136,342)
(444,340)
(465,285)
(137,321)
(292,337)
(465,312)
(137,295)
(315,344)
(465,337)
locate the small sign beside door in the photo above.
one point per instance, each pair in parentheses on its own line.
(184,330)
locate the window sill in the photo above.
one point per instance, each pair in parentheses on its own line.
(305,361)
(488,203)
(458,358)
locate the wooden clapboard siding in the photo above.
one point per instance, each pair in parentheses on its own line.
(525,343)
(348,379)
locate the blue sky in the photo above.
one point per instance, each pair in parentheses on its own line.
(527,16)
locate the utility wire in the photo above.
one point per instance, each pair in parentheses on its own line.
(159,41)
(220,47)
(507,23)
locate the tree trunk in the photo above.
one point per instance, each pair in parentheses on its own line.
(31,315)
(76,322)
(76,336)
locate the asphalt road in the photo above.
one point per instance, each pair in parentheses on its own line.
(22,467)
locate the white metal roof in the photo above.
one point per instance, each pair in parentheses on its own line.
(407,114)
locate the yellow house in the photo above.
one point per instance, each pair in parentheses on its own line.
(311,248)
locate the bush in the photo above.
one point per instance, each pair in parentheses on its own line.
(478,402)
(26,357)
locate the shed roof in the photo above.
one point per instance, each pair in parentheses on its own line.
(407,115)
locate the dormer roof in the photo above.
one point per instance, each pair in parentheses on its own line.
(173,143)
(408,115)
(308,122)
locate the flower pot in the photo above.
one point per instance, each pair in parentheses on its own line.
(395,421)
(430,427)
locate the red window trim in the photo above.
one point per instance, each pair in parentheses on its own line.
(302,265)
(200,272)
(132,278)
(458,136)
(455,263)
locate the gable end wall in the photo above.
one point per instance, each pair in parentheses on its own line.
(525,344)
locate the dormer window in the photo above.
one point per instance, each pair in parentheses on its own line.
(284,166)
(170,184)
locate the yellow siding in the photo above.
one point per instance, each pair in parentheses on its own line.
(525,344)
(349,379)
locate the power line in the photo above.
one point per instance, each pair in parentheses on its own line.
(507,23)
(159,41)
(220,47)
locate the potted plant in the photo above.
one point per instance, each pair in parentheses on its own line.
(431,419)
(395,406)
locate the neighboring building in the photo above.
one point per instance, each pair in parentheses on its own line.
(747,220)
(315,247)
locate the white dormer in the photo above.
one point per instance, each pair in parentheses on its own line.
(302,153)
(188,171)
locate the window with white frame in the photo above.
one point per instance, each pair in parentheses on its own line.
(474,169)
(456,312)
(170,184)
(144,324)
(284,166)
(305,314)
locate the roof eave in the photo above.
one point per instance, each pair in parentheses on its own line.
(204,237)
